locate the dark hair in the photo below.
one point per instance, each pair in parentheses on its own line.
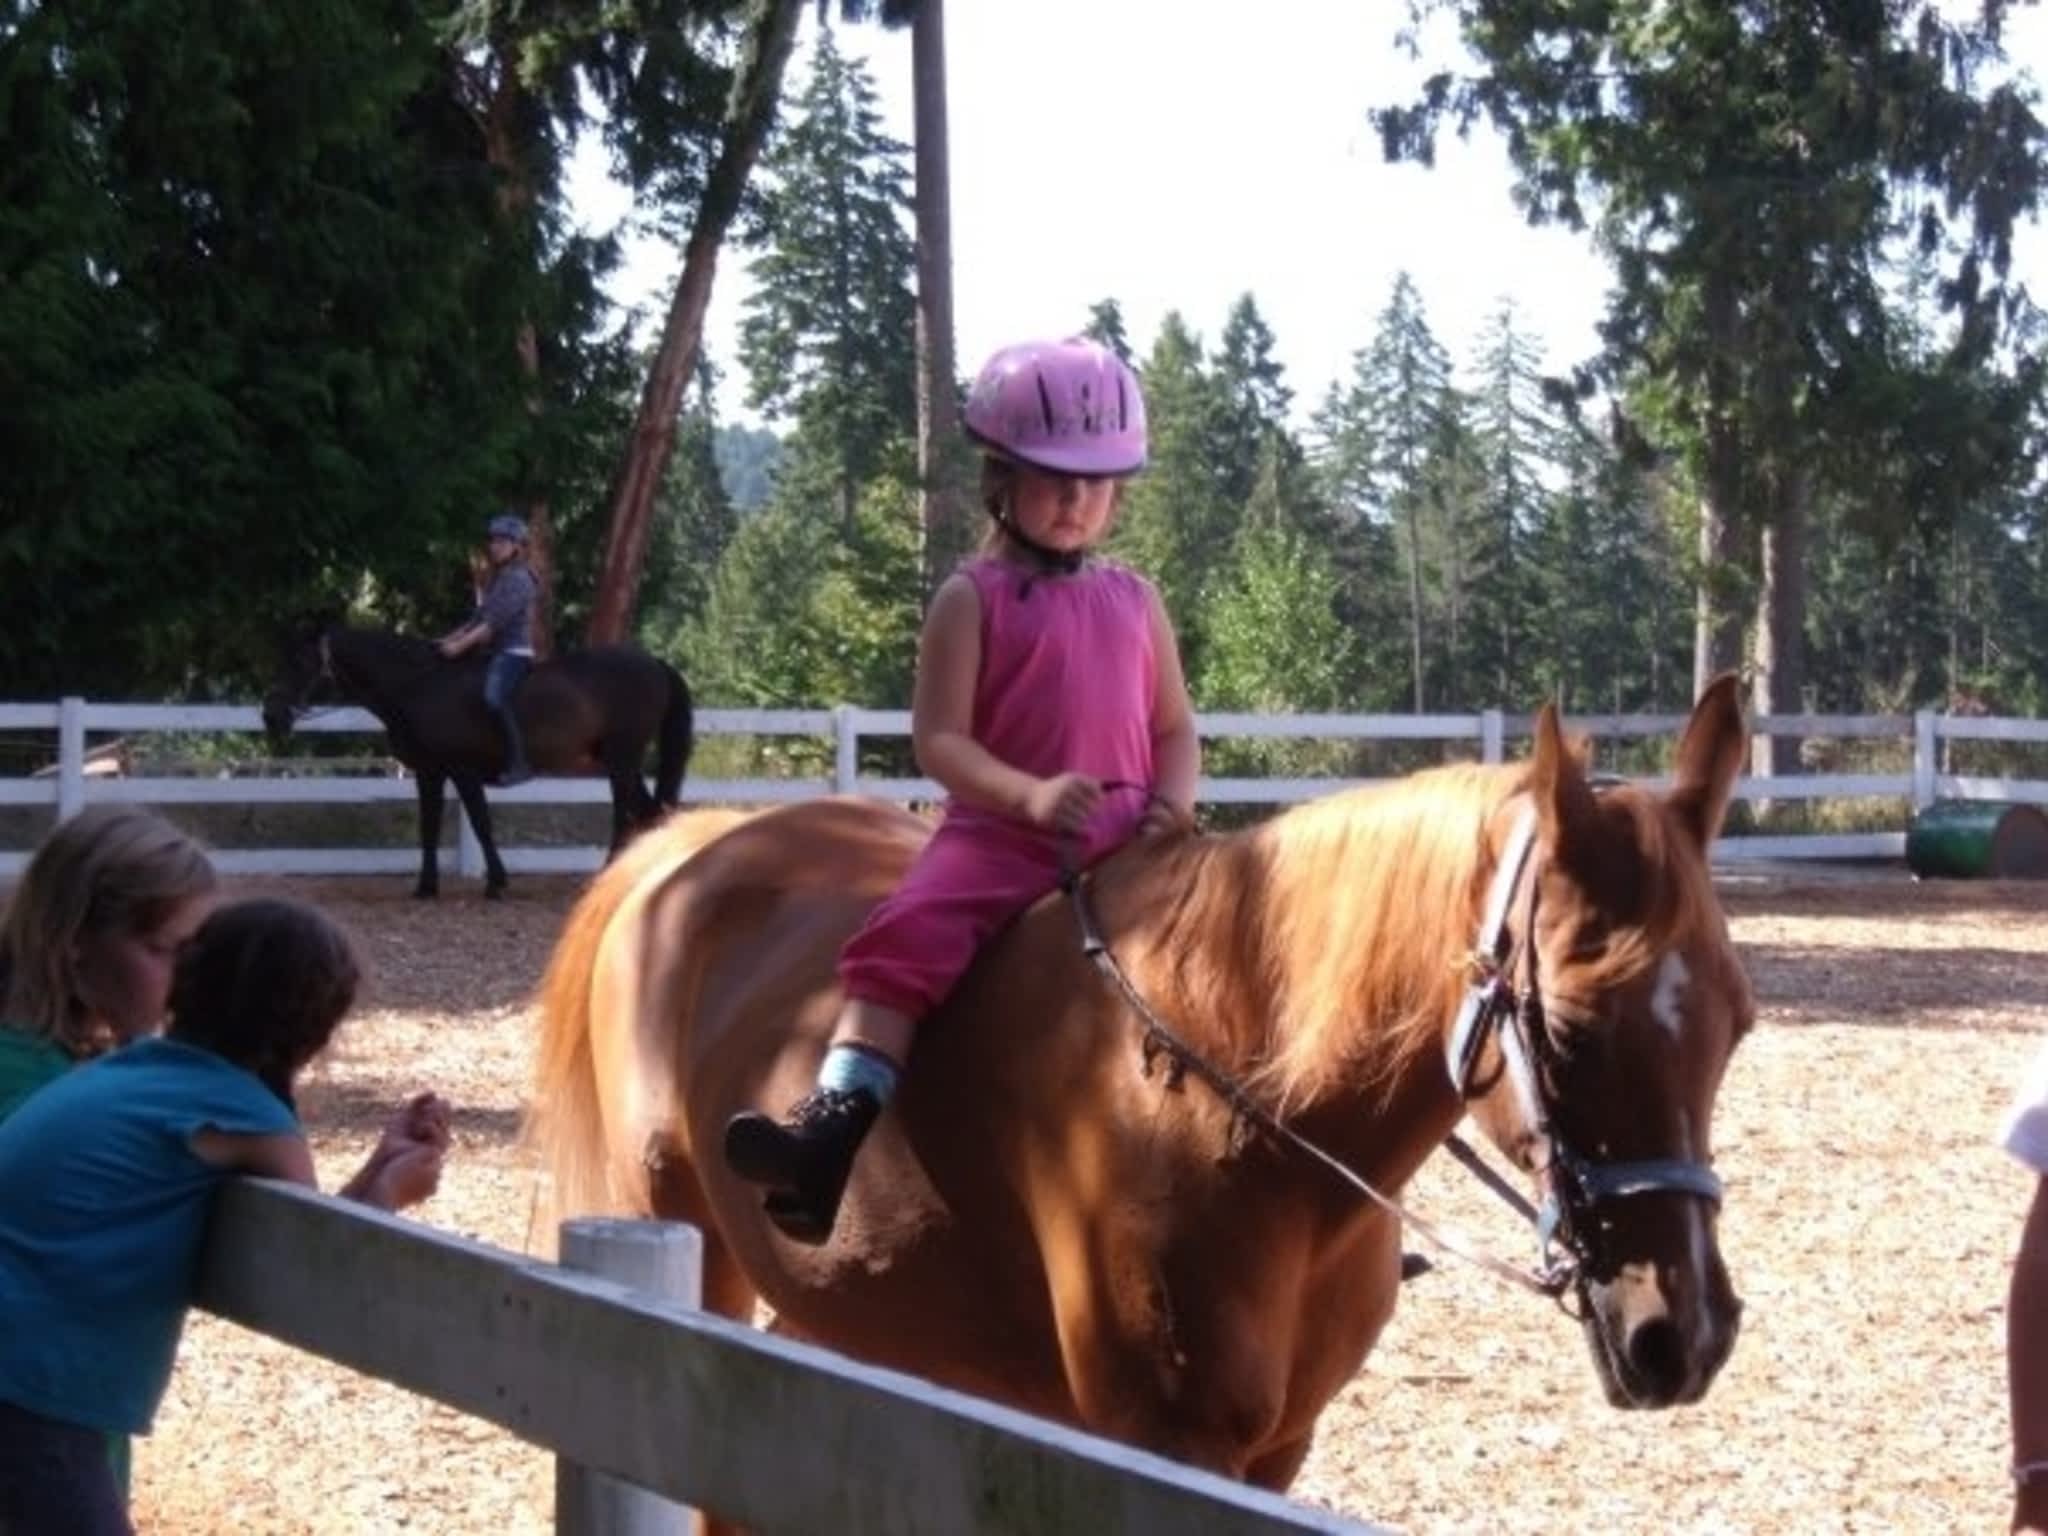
(264,984)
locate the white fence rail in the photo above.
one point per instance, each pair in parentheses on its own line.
(776,1436)
(1487,733)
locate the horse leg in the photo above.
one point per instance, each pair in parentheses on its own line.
(631,807)
(478,810)
(429,786)
(1276,1468)
(1163,1355)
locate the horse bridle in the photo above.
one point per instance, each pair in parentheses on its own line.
(302,706)
(1568,1225)
(1575,1187)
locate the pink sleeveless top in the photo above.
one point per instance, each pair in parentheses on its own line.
(1067,678)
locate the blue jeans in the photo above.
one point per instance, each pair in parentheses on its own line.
(502,676)
(56,1480)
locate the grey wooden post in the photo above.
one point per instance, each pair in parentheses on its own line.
(1925,765)
(846,750)
(1492,736)
(665,1259)
(70,757)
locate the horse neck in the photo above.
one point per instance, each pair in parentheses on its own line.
(376,665)
(1348,922)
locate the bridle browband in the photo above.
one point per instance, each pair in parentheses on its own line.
(1574,1186)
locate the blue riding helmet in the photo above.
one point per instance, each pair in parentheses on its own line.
(506,526)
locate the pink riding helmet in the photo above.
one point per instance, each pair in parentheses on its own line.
(1072,407)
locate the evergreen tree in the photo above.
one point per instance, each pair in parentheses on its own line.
(829,333)
(1377,433)
(1277,645)
(1106,325)
(1472,561)
(697,517)
(1749,165)
(1254,398)
(748,459)
(1608,623)
(1177,524)
(258,312)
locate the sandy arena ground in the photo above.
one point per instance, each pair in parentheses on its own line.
(1869,1225)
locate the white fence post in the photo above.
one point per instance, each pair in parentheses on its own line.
(665,1259)
(1492,736)
(469,853)
(70,757)
(845,750)
(1924,759)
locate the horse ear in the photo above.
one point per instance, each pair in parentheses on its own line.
(1565,808)
(1709,758)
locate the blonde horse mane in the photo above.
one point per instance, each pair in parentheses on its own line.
(1355,915)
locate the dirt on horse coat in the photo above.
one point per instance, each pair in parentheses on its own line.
(1044,1217)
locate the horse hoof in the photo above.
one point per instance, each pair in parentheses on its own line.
(425,892)
(494,893)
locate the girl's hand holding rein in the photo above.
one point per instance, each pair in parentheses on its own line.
(1163,816)
(1063,803)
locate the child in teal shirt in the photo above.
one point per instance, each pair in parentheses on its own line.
(106,1177)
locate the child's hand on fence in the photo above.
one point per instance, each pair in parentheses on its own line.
(422,1123)
(405,1178)
(426,1118)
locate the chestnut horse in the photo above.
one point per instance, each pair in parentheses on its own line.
(1050,1216)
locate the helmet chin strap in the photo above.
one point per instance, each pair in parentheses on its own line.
(1065,561)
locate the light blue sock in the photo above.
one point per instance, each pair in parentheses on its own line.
(848,1067)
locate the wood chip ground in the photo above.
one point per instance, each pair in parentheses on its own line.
(1869,1226)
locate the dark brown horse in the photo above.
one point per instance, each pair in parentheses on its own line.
(1051,1217)
(591,711)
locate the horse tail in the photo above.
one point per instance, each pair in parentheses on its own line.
(678,740)
(566,1125)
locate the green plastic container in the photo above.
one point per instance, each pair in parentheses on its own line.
(1978,840)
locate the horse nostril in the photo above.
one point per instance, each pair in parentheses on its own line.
(1656,1356)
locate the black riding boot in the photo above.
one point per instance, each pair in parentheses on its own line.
(804,1159)
(517,770)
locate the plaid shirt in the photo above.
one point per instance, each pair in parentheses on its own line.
(507,607)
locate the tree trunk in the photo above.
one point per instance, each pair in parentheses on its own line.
(1717,626)
(943,519)
(757,89)
(1414,520)
(515,206)
(1779,685)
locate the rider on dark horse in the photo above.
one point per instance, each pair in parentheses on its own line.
(504,621)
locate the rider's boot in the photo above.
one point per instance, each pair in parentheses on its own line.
(805,1158)
(516,770)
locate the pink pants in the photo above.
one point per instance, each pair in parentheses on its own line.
(974,875)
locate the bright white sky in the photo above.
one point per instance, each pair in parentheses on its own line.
(1171,156)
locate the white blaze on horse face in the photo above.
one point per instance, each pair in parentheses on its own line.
(1666,1002)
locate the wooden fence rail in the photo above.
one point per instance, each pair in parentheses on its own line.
(776,1435)
(1486,733)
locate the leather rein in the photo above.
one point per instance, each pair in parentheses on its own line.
(1574,1186)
